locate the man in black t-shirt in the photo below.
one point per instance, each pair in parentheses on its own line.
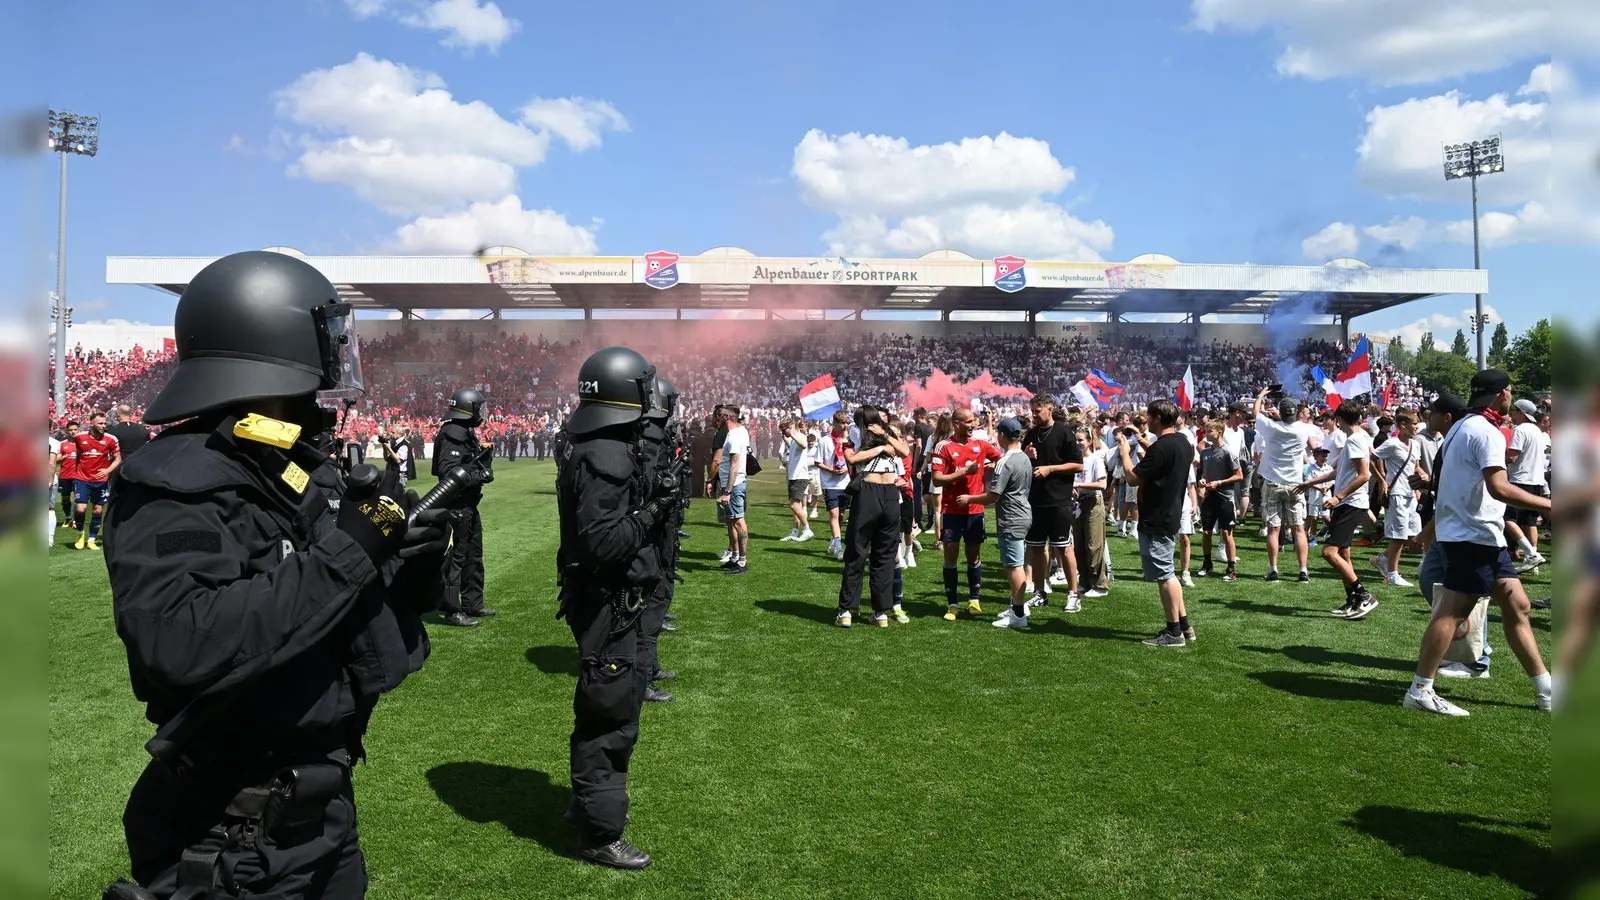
(1162,477)
(1053,448)
(920,432)
(130,435)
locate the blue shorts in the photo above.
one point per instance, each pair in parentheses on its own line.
(91,493)
(736,502)
(836,498)
(1012,551)
(962,526)
(1472,569)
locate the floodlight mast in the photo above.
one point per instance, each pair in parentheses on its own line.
(69,133)
(1469,160)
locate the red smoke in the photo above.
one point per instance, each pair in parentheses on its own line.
(942,391)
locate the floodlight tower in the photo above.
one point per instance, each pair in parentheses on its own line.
(1470,160)
(69,133)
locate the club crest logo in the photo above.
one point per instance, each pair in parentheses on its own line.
(661,269)
(1009,273)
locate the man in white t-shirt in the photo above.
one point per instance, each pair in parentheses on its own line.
(1473,491)
(1397,465)
(1526,461)
(1285,441)
(1351,503)
(834,472)
(730,474)
(800,459)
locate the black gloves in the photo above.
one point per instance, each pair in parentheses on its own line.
(429,534)
(372,516)
(657,509)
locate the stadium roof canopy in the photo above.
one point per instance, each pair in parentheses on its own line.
(504,278)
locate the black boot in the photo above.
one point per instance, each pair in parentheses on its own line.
(654,694)
(482,612)
(665,675)
(669,627)
(460,620)
(619,854)
(671,617)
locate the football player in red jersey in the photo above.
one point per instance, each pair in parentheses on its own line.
(98,457)
(958,467)
(67,481)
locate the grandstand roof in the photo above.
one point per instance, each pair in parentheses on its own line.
(504,278)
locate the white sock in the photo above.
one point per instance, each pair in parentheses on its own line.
(1527,548)
(1541,684)
(1420,684)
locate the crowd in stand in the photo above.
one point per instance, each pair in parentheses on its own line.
(527,380)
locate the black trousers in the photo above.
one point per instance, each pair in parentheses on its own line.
(463,569)
(168,814)
(872,534)
(605,713)
(651,620)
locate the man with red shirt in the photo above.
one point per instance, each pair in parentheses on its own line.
(66,482)
(958,466)
(98,457)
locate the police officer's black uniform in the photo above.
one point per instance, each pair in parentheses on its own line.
(661,447)
(261,624)
(611,531)
(457,444)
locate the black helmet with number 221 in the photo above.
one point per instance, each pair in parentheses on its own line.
(615,387)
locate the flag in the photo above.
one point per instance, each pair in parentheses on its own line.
(1330,394)
(819,399)
(1356,379)
(1186,390)
(1102,387)
(1388,395)
(1086,397)
(169,345)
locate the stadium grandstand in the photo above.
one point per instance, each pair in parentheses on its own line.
(731,326)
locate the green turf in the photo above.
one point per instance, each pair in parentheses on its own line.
(931,760)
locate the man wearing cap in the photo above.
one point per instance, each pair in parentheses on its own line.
(1526,459)
(1473,493)
(1009,493)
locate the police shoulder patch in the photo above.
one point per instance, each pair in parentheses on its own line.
(171,543)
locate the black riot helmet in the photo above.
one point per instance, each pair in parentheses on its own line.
(466,407)
(666,401)
(258,325)
(615,387)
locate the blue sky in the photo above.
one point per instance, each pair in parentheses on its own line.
(1213,131)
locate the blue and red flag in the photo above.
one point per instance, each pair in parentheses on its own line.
(1356,379)
(1102,387)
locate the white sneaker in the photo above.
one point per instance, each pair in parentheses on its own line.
(1009,619)
(900,558)
(1530,564)
(1398,580)
(1037,600)
(1048,589)
(793,535)
(1429,701)
(1073,604)
(1186,579)
(842,620)
(813,514)
(805,535)
(1545,702)
(727,556)
(1461,670)
(911,558)
(1094,594)
(1058,577)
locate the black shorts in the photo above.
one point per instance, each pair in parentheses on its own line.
(1216,513)
(1051,525)
(1525,518)
(798,488)
(1347,520)
(1472,569)
(907,514)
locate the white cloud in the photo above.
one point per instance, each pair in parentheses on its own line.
(400,141)
(576,120)
(1402,152)
(1531,223)
(1409,42)
(465,24)
(486,224)
(1541,81)
(983,195)
(1338,239)
(457,314)
(1443,326)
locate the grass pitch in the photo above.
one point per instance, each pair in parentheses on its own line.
(931,760)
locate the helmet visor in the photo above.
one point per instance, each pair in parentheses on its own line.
(341,353)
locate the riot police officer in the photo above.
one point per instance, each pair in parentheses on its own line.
(609,563)
(261,624)
(456,444)
(660,452)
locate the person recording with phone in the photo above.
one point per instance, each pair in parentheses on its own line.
(873,533)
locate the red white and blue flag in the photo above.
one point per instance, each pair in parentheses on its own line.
(1186,390)
(1356,379)
(1330,394)
(1098,389)
(819,399)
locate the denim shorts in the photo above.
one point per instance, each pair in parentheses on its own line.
(1155,551)
(1012,551)
(736,502)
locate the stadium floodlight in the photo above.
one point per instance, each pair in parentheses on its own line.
(69,134)
(1470,160)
